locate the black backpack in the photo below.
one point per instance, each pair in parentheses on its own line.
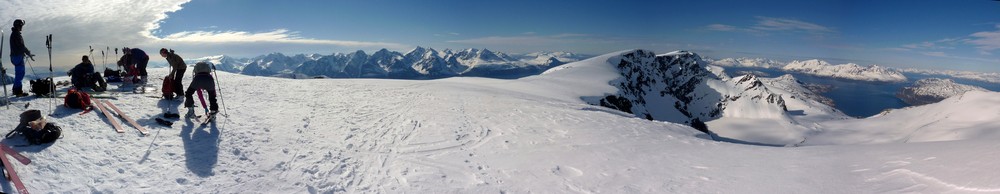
(42,87)
(48,134)
(112,76)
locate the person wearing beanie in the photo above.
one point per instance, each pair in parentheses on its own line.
(17,54)
(81,73)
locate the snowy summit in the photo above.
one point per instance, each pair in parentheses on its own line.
(538,134)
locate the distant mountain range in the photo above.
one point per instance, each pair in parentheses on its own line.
(818,67)
(932,90)
(419,63)
(845,71)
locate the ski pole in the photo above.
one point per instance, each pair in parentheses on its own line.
(48,44)
(6,98)
(218,86)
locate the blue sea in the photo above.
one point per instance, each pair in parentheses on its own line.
(861,98)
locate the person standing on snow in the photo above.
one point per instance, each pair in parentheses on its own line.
(177,70)
(202,80)
(125,62)
(17,53)
(139,60)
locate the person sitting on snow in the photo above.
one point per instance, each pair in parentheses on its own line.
(83,76)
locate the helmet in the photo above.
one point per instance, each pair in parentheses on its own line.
(18,22)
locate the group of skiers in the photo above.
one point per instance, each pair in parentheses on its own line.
(134,62)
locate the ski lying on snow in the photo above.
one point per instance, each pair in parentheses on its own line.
(9,168)
(107,114)
(15,154)
(130,121)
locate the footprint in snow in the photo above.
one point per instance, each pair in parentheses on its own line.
(566,171)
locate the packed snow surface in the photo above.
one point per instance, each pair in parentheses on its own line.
(478,135)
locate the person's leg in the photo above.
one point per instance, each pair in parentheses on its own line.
(178,83)
(18,62)
(212,102)
(189,96)
(142,70)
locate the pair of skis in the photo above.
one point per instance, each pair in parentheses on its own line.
(9,167)
(103,106)
(209,116)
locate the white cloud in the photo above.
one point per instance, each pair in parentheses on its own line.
(720,27)
(766,25)
(569,35)
(782,24)
(986,41)
(509,40)
(276,36)
(75,25)
(947,43)
(935,54)
(526,39)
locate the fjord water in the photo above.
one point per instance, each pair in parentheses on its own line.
(860,98)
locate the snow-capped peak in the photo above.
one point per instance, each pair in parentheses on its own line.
(931,90)
(845,71)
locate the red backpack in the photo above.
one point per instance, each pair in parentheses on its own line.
(168,87)
(77,99)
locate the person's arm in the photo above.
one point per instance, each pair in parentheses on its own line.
(18,42)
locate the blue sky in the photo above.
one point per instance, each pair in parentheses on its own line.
(933,34)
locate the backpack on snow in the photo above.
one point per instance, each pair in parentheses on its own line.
(168,87)
(44,134)
(77,99)
(112,76)
(42,87)
(203,67)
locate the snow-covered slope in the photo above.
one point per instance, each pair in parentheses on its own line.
(747,62)
(679,87)
(931,90)
(972,115)
(845,71)
(802,107)
(797,89)
(461,135)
